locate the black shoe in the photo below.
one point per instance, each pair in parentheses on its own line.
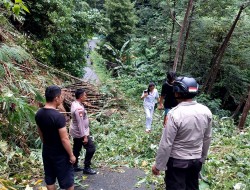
(78,169)
(89,171)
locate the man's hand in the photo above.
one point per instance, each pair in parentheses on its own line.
(85,140)
(155,171)
(72,159)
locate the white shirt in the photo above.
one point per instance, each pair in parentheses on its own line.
(149,101)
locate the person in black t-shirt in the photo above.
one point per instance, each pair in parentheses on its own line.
(168,95)
(57,153)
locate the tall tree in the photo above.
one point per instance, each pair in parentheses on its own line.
(122,21)
(216,60)
(186,38)
(172,14)
(189,7)
(245,112)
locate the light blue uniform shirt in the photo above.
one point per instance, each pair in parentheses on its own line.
(150,100)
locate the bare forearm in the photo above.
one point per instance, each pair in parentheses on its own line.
(67,146)
(161,99)
(143,96)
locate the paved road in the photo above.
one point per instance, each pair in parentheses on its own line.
(90,75)
(105,179)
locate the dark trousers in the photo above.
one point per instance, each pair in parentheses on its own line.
(57,166)
(182,174)
(90,150)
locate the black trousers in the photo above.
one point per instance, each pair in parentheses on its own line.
(90,150)
(183,174)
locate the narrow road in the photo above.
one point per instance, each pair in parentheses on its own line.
(106,179)
(90,75)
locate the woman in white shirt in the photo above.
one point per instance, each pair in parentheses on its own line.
(149,96)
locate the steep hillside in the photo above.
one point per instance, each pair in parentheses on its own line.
(24,80)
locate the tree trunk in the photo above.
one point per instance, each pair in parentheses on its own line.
(244,113)
(190,4)
(216,61)
(243,99)
(186,38)
(171,37)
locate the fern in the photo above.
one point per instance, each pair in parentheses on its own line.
(3,55)
(21,112)
(17,53)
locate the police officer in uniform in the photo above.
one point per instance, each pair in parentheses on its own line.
(79,130)
(185,140)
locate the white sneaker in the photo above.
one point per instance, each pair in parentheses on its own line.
(148,130)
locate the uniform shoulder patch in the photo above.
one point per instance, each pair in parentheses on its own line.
(80,113)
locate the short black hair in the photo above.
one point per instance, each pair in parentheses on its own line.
(79,92)
(171,76)
(52,92)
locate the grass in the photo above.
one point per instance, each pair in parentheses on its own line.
(121,141)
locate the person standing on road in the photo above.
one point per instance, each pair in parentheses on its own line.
(56,152)
(149,96)
(185,140)
(167,95)
(79,130)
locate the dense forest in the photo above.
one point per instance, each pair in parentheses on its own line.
(46,42)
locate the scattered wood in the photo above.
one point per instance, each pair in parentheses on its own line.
(95,100)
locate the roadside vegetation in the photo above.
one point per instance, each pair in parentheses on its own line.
(122,140)
(40,39)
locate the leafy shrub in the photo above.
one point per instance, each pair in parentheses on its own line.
(213,104)
(228,157)
(61,30)
(18,171)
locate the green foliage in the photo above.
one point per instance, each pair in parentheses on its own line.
(213,104)
(17,53)
(16,7)
(122,21)
(16,109)
(99,66)
(148,56)
(232,80)
(63,28)
(17,118)
(18,91)
(121,141)
(16,170)
(97,4)
(228,158)
(138,55)
(117,59)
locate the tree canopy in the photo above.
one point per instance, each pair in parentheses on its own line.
(138,42)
